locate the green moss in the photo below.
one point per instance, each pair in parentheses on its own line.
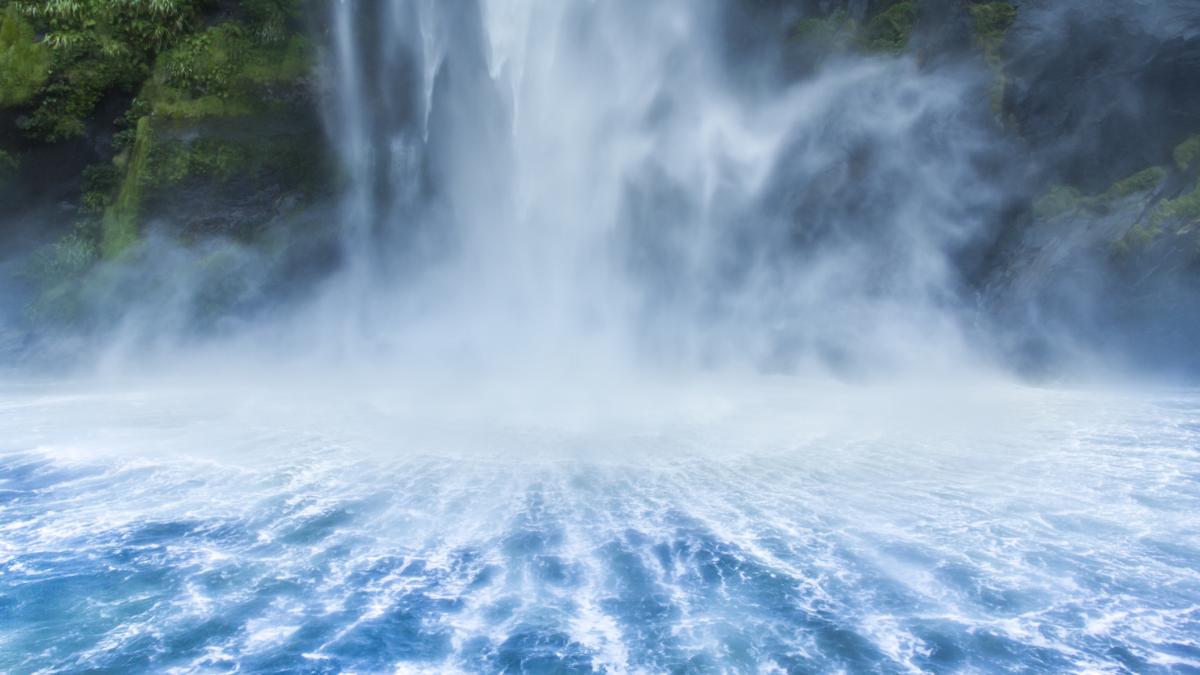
(213,158)
(223,73)
(991,21)
(120,224)
(206,64)
(285,62)
(1184,209)
(1058,200)
(99,185)
(179,105)
(889,30)
(1061,199)
(1137,239)
(830,33)
(93,47)
(1187,152)
(1142,181)
(270,21)
(24,62)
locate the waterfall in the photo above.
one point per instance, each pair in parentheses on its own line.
(577,180)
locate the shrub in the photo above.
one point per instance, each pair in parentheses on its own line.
(95,46)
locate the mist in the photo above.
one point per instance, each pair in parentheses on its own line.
(680,187)
(554,184)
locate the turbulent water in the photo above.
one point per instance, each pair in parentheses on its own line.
(769,525)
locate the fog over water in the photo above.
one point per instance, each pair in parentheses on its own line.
(645,348)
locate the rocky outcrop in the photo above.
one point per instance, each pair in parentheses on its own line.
(187,117)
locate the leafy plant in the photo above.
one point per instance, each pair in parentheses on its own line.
(24,62)
(206,64)
(95,46)
(57,271)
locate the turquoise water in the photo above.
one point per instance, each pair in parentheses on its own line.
(154,530)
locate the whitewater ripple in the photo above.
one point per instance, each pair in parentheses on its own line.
(1070,543)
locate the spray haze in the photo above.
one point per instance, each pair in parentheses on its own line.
(567,181)
(688,186)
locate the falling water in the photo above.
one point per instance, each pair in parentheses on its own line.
(590,180)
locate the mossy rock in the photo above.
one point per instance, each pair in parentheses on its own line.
(1187,154)
(224,73)
(244,179)
(1139,238)
(1184,211)
(991,21)
(832,33)
(1061,199)
(1142,181)
(121,220)
(24,62)
(225,119)
(890,30)
(1058,200)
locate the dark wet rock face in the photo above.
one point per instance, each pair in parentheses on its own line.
(1102,92)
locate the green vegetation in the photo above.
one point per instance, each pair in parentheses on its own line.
(99,183)
(179,67)
(1062,199)
(991,21)
(886,32)
(222,72)
(58,270)
(24,62)
(1137,239)
(270,21)
(93,47)
(1058,200)
(1142,181)
(96,46)
(159,164)
(120,224)
(889,30)
(1184,209)
(1187,152)
(828,34)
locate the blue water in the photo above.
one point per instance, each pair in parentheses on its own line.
(143,532)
